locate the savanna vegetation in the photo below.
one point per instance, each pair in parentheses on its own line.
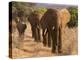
(74,17)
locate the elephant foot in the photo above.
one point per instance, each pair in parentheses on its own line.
(59,51)
(49,45)
(44,45)
(33,36)
(53,51)
(37,41)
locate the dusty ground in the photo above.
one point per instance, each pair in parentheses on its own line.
(29,48)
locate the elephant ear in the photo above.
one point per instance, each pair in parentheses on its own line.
(64,16)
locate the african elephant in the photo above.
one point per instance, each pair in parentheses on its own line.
(33,19)
(53,23)
(21,27)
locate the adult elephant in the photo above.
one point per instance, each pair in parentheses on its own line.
(53,23)
(34,19)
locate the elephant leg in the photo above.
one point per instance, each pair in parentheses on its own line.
(44,37)
(38,33)
(18,45)
(54,40)
(49,37)
(35,34)
(22,36)
(22,40)
(33,30)
(59,41)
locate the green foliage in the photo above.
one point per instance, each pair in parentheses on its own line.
(41,10)
(74,17)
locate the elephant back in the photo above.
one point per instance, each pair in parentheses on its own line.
(49,19)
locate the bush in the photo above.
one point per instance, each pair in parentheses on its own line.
(74,17)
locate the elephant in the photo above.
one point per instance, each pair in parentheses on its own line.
(48,22)
(21,27)
(53,23)
(21,24)
(34,19)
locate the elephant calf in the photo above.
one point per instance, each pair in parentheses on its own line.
(21,28)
